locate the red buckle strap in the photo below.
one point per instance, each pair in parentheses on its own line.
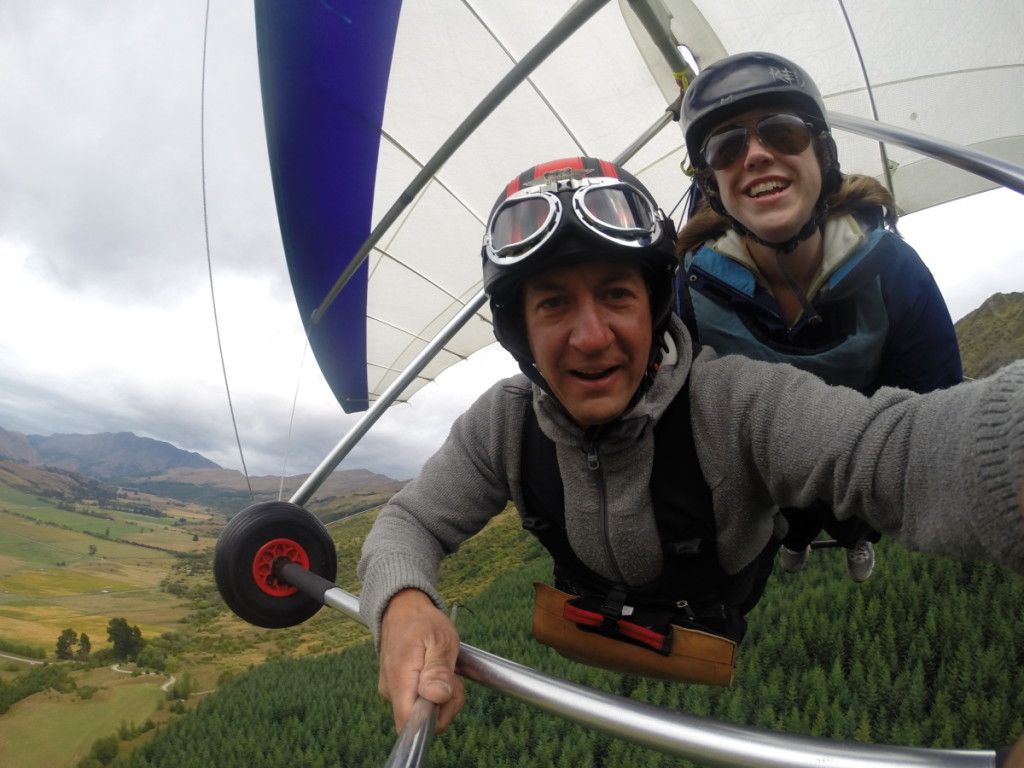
(581,616)
(656,640)
(584,618)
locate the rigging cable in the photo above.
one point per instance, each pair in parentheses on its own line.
(536,88)
(209,260)
(291,420)
(886,169)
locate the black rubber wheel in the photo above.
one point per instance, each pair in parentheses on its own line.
(245,552)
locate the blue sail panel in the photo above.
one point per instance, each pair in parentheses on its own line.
(324,70)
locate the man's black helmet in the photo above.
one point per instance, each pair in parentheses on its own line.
(572,211)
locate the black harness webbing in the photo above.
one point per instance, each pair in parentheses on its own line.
(692,586)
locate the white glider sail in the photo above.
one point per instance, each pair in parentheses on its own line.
(367,95)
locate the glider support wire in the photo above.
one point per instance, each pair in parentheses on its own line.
(381,404)
(869,89)
(209,259)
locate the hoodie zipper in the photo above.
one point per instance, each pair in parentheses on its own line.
(594,465)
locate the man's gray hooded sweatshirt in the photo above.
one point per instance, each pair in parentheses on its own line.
(938,472)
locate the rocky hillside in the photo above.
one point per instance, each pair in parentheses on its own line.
(53,484)
(992,335)
(14,446)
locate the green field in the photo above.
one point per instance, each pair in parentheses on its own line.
(67,568)
(27,737)
(54,575)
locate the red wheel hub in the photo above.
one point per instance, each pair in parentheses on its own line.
(263,565)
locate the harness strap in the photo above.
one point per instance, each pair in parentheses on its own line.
(590,620)
(691,574)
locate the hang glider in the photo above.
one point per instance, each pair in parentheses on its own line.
(391,127)
(386,158)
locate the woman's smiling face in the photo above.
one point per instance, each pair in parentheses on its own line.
(773,194)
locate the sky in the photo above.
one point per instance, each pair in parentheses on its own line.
(114,186)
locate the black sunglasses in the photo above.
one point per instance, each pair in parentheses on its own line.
(788,134)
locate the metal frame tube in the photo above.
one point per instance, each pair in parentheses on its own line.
(662,37)
(692,737)
(994,169)
(375,411)
(670,114)
(414,741)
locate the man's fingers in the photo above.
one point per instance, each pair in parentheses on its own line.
(402,698)
(419,646)
(437,678)
(447,712)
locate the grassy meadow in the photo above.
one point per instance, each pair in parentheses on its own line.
(77,566)
(61,569)
(39,599)
(27,731)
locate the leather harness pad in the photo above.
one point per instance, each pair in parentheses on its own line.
(684,655)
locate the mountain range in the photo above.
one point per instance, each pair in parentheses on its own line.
(141,463)
(106,456)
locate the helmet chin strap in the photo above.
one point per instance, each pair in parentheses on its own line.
(786,247)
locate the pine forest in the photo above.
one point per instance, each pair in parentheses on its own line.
(925,653)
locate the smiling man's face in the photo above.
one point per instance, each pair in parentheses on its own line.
(589,328)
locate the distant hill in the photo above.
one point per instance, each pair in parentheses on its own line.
(14,446)
(111,455)
(341,482)
(53,484)
(151,466)
(992,335)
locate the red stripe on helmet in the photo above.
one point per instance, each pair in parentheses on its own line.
(596,166)
(609,170)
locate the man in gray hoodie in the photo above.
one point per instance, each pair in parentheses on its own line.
(579,264)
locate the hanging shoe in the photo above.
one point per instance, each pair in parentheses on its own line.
(793,561)
(860,561)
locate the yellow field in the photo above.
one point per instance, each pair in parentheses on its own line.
(175,539)
(40,624)
(60,582)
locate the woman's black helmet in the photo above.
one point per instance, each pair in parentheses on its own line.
(755,80)
(572,211)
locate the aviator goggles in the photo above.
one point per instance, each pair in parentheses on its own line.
(788,134)
(613,209)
